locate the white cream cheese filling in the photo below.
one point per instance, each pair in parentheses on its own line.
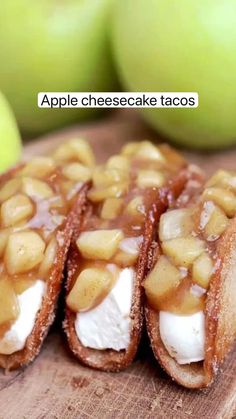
(108,325)
(183,336)
(30,302)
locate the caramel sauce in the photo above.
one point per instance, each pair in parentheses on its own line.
(185,299)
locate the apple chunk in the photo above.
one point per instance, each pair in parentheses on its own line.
(216,225)
(136,207)
(113,191)
(24,251)
(118,162)
(147,150)
(161,282)
(91,286)
(111,208)
(76,149)
(9,189)
(202,270)
(103,178)
(222,197)
(183,251)
(9,308)
(188,299)
(99,244)
(49,258)
(175,223)
(36,188)
(150,179)
(16,209)
(77,172)
(39,167)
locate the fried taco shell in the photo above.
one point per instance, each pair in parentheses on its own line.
(153,177)
(207,287)
(41,203)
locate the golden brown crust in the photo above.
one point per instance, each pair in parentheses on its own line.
(47,312)
(111,360)
(192,375)
(220,317)
(221,307)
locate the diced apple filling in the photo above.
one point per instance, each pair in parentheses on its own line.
(183,251)
(175,224)
(108,177)
(223,179)
(147,150)
(202,270)
(24,251)
(49,258)
(113,191)
(216,225)
(125,259)
(39,167)
(187,300)
(91,286)
(219,179)
(130,149)
(77,172)
(9,308)
(136,207)
(36,188)
(9,189)
(150,179)
(231,183)
(16,209)
(222,197)
(111,208)
(99,244)
(144,150)
(76,149)
(118,162)
(161,282)
(128,252)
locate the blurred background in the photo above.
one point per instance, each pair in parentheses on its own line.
(118,45)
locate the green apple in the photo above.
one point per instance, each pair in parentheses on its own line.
(10,143)
(181,46)
(53,45)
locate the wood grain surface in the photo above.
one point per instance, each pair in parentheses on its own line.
(57,386)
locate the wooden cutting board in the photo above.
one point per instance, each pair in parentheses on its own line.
(57,386)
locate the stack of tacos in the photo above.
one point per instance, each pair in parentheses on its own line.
(142,233)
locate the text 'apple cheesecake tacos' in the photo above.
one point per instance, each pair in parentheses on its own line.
(40,205)
(106,264)
(191,287)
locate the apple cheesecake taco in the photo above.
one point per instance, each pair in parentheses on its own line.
(191,286)
(40,204)
(109,252)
